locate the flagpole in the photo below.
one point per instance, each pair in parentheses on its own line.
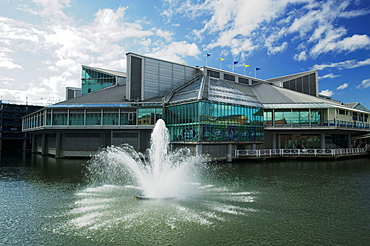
(255,71)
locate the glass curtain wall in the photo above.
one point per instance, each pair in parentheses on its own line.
(76,117)
(148,116)
(93,80)
(210,121)
(289,117)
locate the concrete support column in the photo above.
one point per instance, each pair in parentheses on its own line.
(229,153)
(349,142)
(43,145)
(58,145)
(1,145)
(33,143)
(198,149)
(322,140)
(274,140)
(103,140)
(24,144)
(254,146)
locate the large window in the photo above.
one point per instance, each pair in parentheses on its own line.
(76,117)
(209,121)
(148,116)
(110,117)
(93,80)
(60,117)
(93,117)
(128,118)
(294,117)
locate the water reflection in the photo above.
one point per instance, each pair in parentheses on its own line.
(45,201)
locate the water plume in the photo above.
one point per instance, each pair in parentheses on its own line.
(160,173)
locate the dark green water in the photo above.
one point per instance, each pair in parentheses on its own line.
(48,202)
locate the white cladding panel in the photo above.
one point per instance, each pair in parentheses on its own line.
(163,76)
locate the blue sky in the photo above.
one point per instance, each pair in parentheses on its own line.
(43,43)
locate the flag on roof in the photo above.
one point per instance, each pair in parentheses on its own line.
(235,62)
(222,59)
(246,65)
(208,54)
(258,68)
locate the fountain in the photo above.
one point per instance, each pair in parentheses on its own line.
(159,174)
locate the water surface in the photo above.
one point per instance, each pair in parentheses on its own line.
(48,202)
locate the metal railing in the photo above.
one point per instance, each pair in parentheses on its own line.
(300,152)
(325,123)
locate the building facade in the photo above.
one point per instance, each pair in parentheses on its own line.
(12,139)
(205,109)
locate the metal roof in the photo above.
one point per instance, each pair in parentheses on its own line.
(111,94)
(90,105)
(297,105)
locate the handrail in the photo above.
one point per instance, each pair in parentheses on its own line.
(324,123)
(299,152)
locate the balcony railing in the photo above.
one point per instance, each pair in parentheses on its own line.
(301,152)
(329,123)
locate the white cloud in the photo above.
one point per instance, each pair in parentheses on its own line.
(327,93)
(56,45)
(331,43)
(301,56)
(342,87)
(248,25)
(277,49)
(364,84)
(6,62)
(329,76)
(175,51)
(349,64)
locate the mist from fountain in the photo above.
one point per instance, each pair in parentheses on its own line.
(159,173)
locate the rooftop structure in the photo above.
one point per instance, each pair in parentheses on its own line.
(207,110)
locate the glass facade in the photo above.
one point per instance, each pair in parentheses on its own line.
(85,117)
(93,80)
(148,116)
(211,122)
(304,141)
(293,117)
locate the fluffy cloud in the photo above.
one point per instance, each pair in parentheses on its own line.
(364,84)
(244,26)
(56,45)
(329,76)
(301,56)
(342,87)
(349,64)
(175,51)
(6,62)
(327,93)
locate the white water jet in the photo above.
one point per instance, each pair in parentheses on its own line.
(161,173)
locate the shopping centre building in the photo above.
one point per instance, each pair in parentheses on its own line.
(205,109)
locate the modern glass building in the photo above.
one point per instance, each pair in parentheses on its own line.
(206,109)
(93,79)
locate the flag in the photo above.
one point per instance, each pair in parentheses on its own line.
(222,59)
(208,54)
(235,62)
(258,68)
(246,65)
